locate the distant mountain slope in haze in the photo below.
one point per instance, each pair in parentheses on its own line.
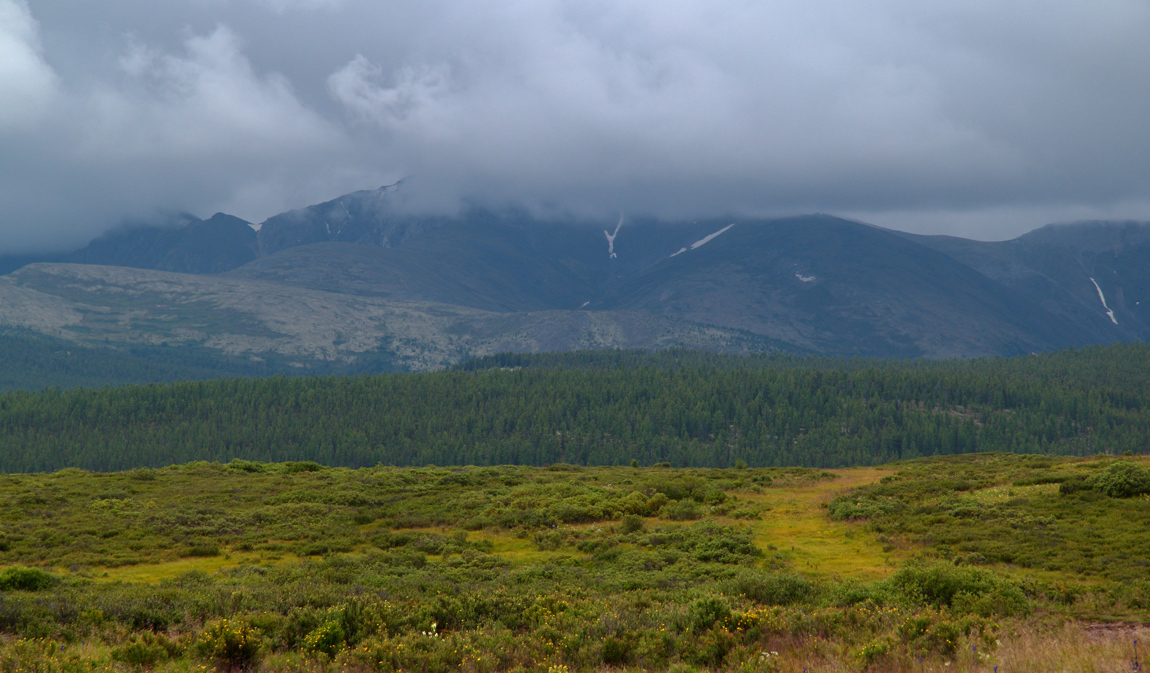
(483,261)
(818,282)
(836,286)
(311,329)
(365,217)
(814,283)
(182,243)
(1095,275)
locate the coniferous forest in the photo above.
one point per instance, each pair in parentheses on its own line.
(684,408)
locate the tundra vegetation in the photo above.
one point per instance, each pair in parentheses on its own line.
(954,563)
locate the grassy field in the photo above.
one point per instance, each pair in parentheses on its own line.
(1027,563)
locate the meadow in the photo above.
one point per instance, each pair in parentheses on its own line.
(959,563)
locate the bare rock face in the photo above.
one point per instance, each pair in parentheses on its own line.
(94,304)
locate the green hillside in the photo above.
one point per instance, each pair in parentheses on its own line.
(677,407)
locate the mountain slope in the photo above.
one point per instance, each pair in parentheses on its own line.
(241,317)
(483,261)
(500,261)
(487,279)
(841,287)
(182,243)
(1095,275)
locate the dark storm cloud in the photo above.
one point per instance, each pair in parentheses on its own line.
(974,118)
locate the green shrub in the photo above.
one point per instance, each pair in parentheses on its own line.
(615,651)
(682,488)
(328,638)
(683,510)
(1042,479)
(19,578)
(874,652)
(230,645)
(1122,479)
(355,620)
(655,503)
(142,474)
(550,541)
(941,633)
(711,648)
(632,523)
(138,653)
(146,649)
(945,585)
(203,551)
(719,544)
(850,593)
(704,612)
(771,589)
(238,465)
(1073,485)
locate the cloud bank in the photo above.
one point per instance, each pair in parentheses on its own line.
(969,118)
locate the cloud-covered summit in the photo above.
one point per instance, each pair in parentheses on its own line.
(980,119)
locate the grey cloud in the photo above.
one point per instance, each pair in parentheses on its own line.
(766,106)
(964,117)
(204,103)
(27,82)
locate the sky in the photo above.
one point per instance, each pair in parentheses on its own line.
(965,117)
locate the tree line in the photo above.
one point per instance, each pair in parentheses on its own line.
(681,407)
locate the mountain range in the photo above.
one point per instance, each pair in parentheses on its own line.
(358,277)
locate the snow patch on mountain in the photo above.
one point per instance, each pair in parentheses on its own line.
(1102,297)
(611,239)
(710,237)
(702,241)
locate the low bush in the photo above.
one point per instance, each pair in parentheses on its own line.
(19,578)
(203,551)
(683,510)
(230,645)
(704,612)
(146,649)
(327,638)
(616,651)
(1122,479)
(632,523)
(771,588)
(947,585)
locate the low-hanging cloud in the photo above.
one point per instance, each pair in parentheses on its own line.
(952,116)
(666,118)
